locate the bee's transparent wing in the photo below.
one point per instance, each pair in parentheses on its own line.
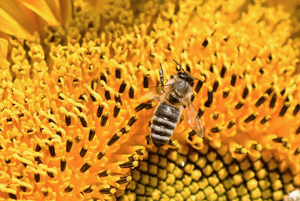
(193,118)
(155,93)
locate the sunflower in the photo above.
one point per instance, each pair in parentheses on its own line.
(72,75)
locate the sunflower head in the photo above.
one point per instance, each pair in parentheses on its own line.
(72,73)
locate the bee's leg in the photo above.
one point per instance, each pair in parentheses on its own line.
(161,75)
(150,123)
(173,143)
(148,139)
(181,119)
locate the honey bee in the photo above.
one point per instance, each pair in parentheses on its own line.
(294,195)
(174,97)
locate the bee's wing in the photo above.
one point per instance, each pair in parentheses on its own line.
(193,118)
(155,93)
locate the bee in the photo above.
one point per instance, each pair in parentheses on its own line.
(173,98)
(295,195)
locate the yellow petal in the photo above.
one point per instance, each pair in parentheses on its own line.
(42,9)
(3,48)
(11,25)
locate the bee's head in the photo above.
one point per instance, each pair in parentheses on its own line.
(186,77)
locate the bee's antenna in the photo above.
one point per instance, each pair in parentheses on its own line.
(179,65)
(183,69)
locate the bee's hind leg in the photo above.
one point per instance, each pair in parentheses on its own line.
(173,143)
(181,119)
(148,139)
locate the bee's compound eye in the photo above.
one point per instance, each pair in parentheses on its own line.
(180,74)
(191,83)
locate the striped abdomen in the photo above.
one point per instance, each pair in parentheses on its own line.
(163,124)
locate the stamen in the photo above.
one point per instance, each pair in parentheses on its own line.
(265,119)
(124,180)
(269,91)
(201,111)
(140,107)
(69,145)
(273,101)
(83,121)
(205,43)
(92,134)
(38,148)
(209,97)
(114,138)
(296,110)
(284,109)
(85,167)
(261,100)
(100,110)
(103,78)
(223,71)
(107,190)
(83,150)
(241,151)
(37,177)
(297,151)
(216,85)
(104,119)
(199,85)
(146,82)
(12,196)
(117,109)
(215,115)
(226,92)
(52,150)
(93,97)
(233,80)
(69,189)
(118,98)
(231,124)
(107,95)
(104,173)
(118,73)
(129,164)
(217,129)
(68,120)
(101,154)
(132,120)
(63,164)
(50,174)
(257,146)
(251,117)
(122,87)
(131,92)
(239,105)
(88,190)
